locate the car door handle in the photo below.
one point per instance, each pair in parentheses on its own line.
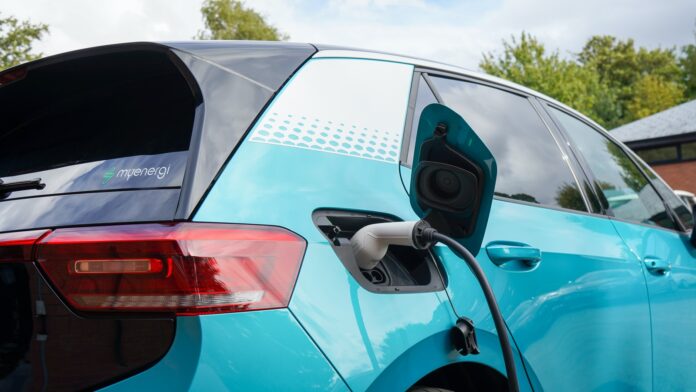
(502,253)
(657,266)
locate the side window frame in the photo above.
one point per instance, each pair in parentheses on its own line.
(545,118)
(418,75)
(588,172)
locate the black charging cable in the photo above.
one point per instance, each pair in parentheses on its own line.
(429,235)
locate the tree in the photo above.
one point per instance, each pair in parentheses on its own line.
(16,39)
(526,62)
(630,74)
(230,19)
(609,80)
(688,65)
(652,94)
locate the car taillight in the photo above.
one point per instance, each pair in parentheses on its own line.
(187,268)
(18,246)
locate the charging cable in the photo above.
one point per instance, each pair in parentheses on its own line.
(370,245)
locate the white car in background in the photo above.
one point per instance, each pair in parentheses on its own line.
(688,198)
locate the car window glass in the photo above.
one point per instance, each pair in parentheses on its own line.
(673,201)
(531,167)
(424,98)
(625,189)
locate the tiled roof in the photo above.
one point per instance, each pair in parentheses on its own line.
(676,120)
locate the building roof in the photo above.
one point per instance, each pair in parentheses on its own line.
(677,120)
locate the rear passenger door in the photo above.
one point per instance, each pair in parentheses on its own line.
(653,223)
(579,314)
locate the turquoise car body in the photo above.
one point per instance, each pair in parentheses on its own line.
(588,316)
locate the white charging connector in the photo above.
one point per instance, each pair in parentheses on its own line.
(370,243)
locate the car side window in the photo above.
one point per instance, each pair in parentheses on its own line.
(673,201)
(625,189)
(531,166)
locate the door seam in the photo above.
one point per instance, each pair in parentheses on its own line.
(647,293)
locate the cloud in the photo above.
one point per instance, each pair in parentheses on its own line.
(456,32)
(76,24)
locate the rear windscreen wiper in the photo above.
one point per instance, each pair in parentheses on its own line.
(8,187)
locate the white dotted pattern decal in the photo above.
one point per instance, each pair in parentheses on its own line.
(341,106)
(339,138)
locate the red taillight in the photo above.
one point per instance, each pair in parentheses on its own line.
(187,268)
(18,246)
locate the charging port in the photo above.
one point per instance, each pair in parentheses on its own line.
(403,269)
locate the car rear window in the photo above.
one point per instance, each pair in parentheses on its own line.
(106,120)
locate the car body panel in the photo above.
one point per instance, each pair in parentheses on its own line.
(89,208)
(672,301)
(596,291)
(362,333)
(261,351)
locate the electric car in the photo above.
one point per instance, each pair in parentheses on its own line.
(180,216)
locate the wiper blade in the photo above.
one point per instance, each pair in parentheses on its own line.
(8,187)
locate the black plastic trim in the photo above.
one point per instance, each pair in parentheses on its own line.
(186,212)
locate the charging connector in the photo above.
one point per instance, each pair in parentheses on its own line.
(370,245)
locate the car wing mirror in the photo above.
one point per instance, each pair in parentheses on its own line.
(454,176)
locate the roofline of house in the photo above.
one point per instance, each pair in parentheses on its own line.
(662,141)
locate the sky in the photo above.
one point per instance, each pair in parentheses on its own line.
(450,31)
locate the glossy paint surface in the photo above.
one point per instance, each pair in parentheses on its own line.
(111,174)
(254,351)
(371,339)
(268,63)
(89,208)
(580,316)
(375,341)
(672,302)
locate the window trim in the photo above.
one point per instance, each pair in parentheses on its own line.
(608,212)
(564,154)
(605,210)
(426,72)
(408,123)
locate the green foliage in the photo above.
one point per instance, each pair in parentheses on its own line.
(230,19)
(652,94)
(688,64)
(16,39)
(526,62)
(631,74)
(609,80)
